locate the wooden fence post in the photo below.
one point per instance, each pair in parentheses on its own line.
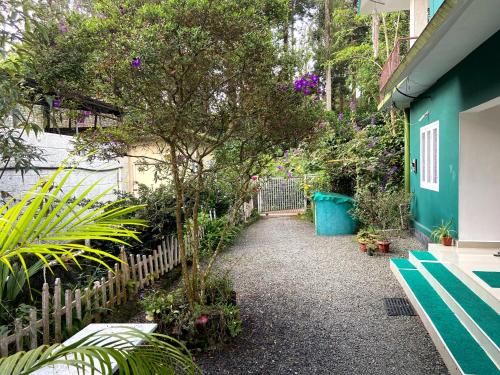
(118,288)
(57,311)
(45,313)
(139,271)
(33,332)
(78,303)
(97,302)
(18,328)
(68,304)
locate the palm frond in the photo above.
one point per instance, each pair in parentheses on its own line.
(100,352)
(49,223)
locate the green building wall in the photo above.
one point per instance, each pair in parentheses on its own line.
(434,6)
(473,81)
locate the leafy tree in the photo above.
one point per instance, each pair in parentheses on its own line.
(204,81)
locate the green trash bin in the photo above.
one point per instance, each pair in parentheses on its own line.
(331,214)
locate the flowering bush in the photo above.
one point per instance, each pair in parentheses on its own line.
(214,321)
(308,84)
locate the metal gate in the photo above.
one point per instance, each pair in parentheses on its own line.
(282,194)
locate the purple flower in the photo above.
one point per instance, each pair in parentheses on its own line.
(280,167)
(393,170)
(289,174)
(63,29)
(352,105)
(87,113)
(136,62)
(121,8)
(56,103)
(286,154)
(340,116)
(371,144)
(81,120)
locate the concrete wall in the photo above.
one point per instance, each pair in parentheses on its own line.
(56,149)
(479,204)
(418,18)
(472,82)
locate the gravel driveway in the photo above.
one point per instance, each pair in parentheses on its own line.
(313,305)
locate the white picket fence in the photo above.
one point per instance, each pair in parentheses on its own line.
(84,306)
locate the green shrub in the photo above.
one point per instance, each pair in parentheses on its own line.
(211,322)
(382,209)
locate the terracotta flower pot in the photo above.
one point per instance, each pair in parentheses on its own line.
(383,246)
(447,241)
(362,247)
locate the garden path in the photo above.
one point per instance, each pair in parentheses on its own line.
(313,305)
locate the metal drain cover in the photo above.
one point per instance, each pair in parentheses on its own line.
(398,307)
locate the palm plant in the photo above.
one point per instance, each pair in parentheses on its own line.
(51,225)
(102,352)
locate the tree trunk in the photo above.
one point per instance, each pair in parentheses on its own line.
(375,33)
(328,79)
(179,195)
(195,232)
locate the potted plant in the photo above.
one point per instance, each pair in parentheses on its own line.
(371,248)
(442,233)
(383,243)
(365,237)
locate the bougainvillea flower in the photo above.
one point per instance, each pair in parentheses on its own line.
(81,120)
(63,28)
(56,103)
(202,320)
(136,62)
(254,178)
(87,113)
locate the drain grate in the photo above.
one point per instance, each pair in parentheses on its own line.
(398,307)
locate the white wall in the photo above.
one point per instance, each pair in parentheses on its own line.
(56,149)
(479,177)
(418,18)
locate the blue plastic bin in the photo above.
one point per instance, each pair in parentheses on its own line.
(331,214)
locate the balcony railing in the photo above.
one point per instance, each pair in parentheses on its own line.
(400,50)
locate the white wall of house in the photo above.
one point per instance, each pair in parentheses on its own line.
(479,177)
(56,149)
(418,17)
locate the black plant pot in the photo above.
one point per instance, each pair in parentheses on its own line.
(369,252)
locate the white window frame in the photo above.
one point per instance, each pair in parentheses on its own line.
(429,156)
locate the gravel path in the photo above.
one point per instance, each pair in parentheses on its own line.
(313,305)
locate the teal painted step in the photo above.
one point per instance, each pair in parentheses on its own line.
(403,263)
(482,314)
(466,351)
(423,255)
(490,278)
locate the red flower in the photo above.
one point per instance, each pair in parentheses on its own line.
(202,320)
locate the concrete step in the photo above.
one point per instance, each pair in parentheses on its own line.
(482,321)
(460,349)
